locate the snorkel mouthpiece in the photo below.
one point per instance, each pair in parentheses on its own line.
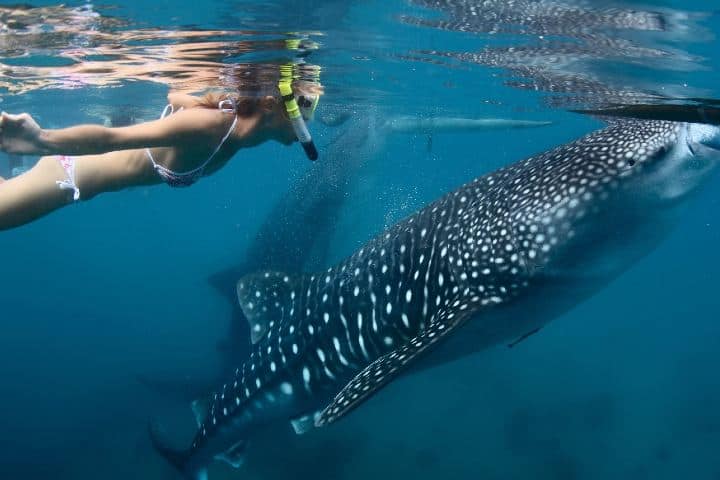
(296,120)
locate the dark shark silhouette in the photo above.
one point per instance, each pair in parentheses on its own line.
(492,261)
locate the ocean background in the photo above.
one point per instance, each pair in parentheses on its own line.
(99,294)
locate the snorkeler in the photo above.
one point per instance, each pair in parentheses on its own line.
(194,137)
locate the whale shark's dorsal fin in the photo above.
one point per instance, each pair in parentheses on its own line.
(262,298)
(380,372)
(200,409)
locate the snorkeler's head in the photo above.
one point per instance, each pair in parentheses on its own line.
(281,94)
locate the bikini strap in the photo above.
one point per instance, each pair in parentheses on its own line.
(68,164)
(225,106)
(222,142)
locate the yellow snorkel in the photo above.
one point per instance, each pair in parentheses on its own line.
(293,110)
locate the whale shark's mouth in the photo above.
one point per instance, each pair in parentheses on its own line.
(703,139)
(699,149)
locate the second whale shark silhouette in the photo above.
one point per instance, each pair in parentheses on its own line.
(492,261)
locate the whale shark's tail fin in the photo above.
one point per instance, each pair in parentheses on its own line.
(176,457)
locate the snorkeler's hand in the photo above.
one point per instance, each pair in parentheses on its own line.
(20,134)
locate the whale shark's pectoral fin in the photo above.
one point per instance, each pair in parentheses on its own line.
(380,372)
(263,297)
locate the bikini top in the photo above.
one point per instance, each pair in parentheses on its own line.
(185,179)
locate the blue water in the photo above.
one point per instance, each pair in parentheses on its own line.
(93,296)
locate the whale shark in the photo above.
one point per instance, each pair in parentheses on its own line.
(295,235)
(492,261)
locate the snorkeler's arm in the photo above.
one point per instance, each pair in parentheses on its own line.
(21,134)
(183,100)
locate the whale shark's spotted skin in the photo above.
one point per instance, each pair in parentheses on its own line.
(325,342)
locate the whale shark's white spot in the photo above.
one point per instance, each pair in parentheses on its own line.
(361,342)
(311,329)
(341,357)
(286,388)
(295,348)
(326,317)
(273,367)
(388,308)
(321,355)
(405,320)
(356,291)
(408,295)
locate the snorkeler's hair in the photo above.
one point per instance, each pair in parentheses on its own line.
(256,87)
(244,106)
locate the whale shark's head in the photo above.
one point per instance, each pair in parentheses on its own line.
(679,163)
